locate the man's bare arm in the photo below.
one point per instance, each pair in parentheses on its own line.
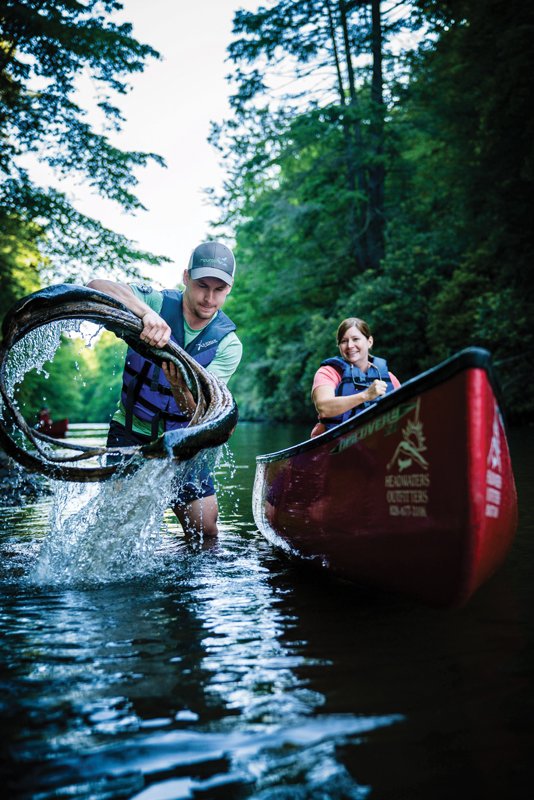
(155,332)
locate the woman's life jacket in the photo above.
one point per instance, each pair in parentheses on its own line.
(353,380)
(146,392)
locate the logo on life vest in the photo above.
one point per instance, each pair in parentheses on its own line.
(203,345)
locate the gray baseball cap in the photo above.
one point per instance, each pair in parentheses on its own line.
(212,260)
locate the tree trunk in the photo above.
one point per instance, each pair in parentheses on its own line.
(350,158)
(355,152)
(375,230)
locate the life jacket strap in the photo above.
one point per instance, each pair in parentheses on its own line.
(158,387)
(154,383)
(131,395)
(154,427)
(381,377)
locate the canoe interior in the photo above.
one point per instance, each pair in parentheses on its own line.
(415,495)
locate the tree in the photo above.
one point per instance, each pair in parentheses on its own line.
(102,377)
(20,259)
(456,197)
(292,257)
(45,46)
(326,40)
(305,194)
(468,112)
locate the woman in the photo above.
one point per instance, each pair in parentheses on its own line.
(345,386)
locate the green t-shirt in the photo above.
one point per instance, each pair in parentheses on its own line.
(223,366)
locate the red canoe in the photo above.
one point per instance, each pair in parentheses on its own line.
(57,429)
(415,495)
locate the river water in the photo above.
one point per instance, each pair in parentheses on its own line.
(135,663)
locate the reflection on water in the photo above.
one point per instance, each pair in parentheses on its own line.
(223,671)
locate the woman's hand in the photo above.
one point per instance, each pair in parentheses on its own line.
(376,389)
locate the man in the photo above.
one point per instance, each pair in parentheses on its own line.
(152,402)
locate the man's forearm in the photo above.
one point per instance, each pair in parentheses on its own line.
(155,331)
(121,292)
(184,400)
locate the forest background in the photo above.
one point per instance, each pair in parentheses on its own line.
(379,163)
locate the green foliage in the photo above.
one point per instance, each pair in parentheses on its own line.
(20,259)
(103,377)
(45,47)
(75,245)
(457,153)
(299,197)
(82,382)
(470,102)
(323,40)
(294,232)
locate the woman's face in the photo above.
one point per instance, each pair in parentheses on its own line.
(354,347)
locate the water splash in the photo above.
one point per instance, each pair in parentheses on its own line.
(225,474)
(35,349)
(112,532)
(102,532)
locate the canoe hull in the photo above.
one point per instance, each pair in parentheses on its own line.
(416,495)
(57,429)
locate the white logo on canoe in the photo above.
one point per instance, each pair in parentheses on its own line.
(407,490)
(410,450)
(493,471)
(494,455)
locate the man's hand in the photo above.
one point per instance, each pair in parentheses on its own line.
(180,390)
(173,375)
(155,331)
